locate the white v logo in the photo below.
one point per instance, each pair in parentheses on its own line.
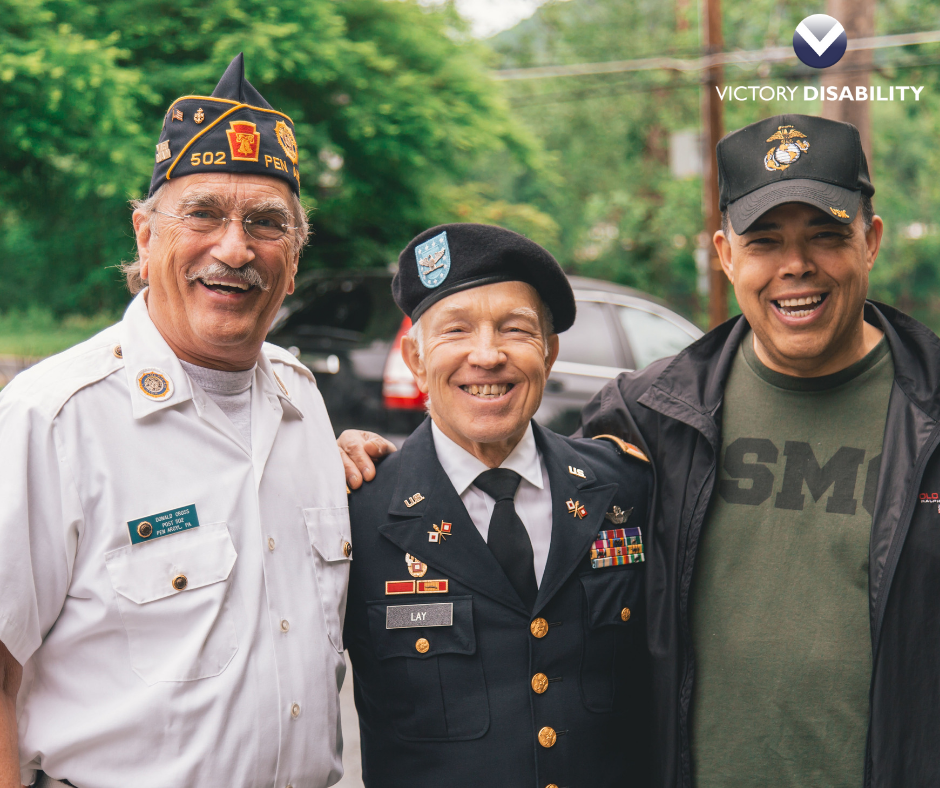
(819,47)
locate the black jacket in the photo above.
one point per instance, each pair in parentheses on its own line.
(462,711)
(673,409)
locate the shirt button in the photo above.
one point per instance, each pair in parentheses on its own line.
(295,711)
(271,543)
(547,737)
(625,614)
(539,628)
(539,683)
(285,625)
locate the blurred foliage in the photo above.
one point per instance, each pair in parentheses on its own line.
(400,128)
(392,105)
(36,332)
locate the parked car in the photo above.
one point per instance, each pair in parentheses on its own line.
(347,329)
(616,329)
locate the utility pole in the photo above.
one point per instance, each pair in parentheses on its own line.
(858,19)
(713,126)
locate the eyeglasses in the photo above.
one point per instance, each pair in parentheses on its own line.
(259,227)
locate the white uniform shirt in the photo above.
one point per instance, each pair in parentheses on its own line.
(232,681)
(533,501)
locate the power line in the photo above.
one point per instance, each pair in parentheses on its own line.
(739,58)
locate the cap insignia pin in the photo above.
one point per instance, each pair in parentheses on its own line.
(433,257)
(440,532)
(416,498)
(178,114)
(415,567)
(792,144)
(575,508)
(244,140)
(200,116)
(618,516)
(163,151)
(839,212)
(286,139)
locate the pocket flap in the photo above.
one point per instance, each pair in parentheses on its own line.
(329,532)
(145,572)
(610,592)
(456,638)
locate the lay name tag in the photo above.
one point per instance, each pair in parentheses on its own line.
(440,614)
(146,529)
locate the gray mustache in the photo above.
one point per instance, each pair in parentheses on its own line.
(247,274)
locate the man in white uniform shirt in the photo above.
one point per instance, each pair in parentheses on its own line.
(175,534)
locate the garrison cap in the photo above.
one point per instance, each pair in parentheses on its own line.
(453,257)
(811,160)
(233,130)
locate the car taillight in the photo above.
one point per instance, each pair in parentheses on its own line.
(399,390)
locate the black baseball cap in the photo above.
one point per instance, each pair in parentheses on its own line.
(792,158)
(450,258)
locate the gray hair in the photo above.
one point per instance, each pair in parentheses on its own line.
(148,207)
(546,323)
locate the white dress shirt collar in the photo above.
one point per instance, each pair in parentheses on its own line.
(462,468)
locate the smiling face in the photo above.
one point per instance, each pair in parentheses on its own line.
(214,295)
(801,279)
(484,365)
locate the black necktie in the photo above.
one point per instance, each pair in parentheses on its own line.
(508,539)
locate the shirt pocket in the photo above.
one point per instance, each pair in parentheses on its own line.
(173,597)
(436,693)
(612,635)
(329,536)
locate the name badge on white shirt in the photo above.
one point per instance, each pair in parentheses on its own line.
(153,526)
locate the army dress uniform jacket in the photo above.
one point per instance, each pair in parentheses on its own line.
(497,695)
(210,656)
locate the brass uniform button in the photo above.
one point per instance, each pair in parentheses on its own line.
(539,628)
(144,529)
(551,785)
(539,683)
(347,549)
(422,645)
(118,353)
(180,582)
(547,737)
(625,614)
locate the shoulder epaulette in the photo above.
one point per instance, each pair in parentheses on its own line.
(623,447)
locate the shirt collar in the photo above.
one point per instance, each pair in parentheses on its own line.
(462,468)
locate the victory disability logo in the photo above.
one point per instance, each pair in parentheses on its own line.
(819,41)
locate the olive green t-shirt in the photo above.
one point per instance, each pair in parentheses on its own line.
(779,606)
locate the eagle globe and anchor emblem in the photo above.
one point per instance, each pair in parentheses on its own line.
(793,143)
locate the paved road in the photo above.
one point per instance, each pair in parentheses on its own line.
(351,762)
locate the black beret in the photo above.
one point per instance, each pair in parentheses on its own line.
(454,257)
(233,130)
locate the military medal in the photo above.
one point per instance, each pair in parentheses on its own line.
(616,547)
(415,567)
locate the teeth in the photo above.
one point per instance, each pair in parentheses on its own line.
(218,283)
(487,389)
(791,302)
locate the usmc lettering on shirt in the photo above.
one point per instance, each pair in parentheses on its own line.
(748,460)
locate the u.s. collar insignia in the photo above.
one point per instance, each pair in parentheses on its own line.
(433,258)
(286,138)
(416,498)
(792,144)
(618,516)
(440,532)
(153,384)
(415,567)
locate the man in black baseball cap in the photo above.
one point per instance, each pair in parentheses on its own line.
(795,577)
(495,618)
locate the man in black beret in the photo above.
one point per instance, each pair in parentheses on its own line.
(495,619)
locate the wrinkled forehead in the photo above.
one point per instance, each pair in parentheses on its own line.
(227,191)
(496,302)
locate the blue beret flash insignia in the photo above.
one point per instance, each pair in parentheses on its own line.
(433,258)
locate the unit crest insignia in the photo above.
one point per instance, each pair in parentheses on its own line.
(286,138)
(415,567)
(244,140)
(792,144)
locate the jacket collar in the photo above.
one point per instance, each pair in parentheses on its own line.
(691,388)
(464,555)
